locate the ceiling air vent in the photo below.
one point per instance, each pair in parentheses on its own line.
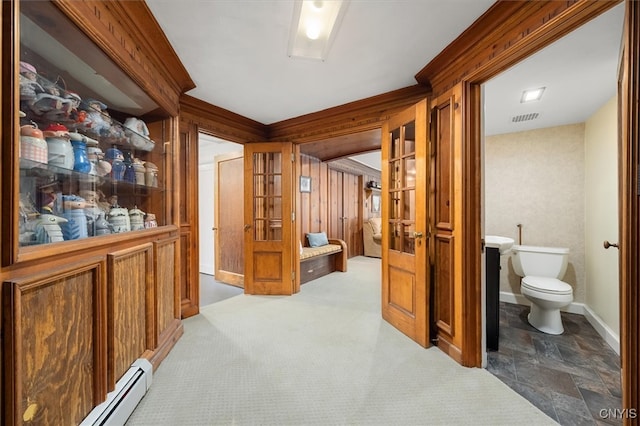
(524,117)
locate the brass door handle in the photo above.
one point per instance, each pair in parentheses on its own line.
(214,229)
(247,227)
(607,244)
(417,235)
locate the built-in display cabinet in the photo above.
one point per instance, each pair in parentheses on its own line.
(90,244)
(89,165)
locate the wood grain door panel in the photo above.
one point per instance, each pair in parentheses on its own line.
(229,208)
(188,220)
(444,290)
(345,211)
(446,194)
(336,205)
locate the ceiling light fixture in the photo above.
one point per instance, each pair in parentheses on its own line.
(532,95)
(314,27)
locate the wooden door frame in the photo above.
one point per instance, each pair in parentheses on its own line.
(568,20)
(506,34)
(629,157)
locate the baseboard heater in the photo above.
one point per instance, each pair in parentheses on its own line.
(121,402)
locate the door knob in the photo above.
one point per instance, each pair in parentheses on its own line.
(607,244)
(214,229)
(247,227)
(417,235)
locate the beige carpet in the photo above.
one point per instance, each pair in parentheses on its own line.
(321,357)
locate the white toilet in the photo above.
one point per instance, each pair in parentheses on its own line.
(541,269)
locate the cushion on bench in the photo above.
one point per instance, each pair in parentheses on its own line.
(308,252)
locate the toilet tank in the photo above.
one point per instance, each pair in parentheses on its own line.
(540,261)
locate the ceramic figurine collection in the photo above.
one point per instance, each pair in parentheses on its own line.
(61,131)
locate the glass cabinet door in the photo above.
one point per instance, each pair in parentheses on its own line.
(92,159)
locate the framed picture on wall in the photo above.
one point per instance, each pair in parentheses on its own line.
(305,183)
(375,203)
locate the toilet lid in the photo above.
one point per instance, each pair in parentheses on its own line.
(547,285)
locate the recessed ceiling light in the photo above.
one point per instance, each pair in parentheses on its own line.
(532,95)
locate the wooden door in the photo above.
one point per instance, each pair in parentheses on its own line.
(269,214)
(345,213)
(229,219)
(405,282)
(352,212)
(446,190)
(336,205)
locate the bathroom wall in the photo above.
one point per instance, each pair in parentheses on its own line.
(601,200)
(537,178)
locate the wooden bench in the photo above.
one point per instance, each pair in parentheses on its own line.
(316,262)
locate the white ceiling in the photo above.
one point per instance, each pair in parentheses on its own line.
(579,72)
(236,53)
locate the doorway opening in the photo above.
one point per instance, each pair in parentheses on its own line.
(552,181)
(215,283)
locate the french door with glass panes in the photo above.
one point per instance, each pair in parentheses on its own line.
(405,281)
(268,212)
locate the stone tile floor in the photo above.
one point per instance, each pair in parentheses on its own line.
(570,377)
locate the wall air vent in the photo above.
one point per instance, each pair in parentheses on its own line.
(524,117)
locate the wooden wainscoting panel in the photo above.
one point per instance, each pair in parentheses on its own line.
(55,330)
(165,276)
(129,313)
(168,323)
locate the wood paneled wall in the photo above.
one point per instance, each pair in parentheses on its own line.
(71,331)
(321,210)
(188,219)
(314,205)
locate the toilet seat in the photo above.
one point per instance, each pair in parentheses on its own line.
(546,285)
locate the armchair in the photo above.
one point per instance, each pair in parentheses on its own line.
(372,235)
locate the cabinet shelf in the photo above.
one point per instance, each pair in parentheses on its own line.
(53,173)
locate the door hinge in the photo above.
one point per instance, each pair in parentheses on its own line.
(293,157)
(293,275)
(293,216)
